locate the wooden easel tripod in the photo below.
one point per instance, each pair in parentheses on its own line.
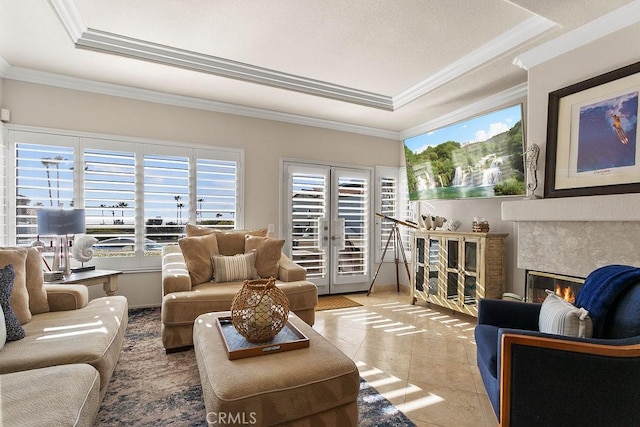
(397,247)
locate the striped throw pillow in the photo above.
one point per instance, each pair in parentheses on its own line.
(234,268)
(560,317)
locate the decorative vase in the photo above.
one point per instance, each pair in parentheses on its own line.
(259,310)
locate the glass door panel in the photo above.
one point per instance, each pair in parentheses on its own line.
(419,264)
(308,229)
(452,253)
(470,289)
(350,231)
(452,286)
(471,256)
(434,268)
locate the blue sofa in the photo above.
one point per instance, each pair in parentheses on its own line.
(538,379)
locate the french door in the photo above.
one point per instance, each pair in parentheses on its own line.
(327,224)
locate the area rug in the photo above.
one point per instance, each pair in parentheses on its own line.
(152,388)
(334,302)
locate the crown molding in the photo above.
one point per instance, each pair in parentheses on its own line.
(510,96)
(74,83)
(130,47)
(4,67)
(500,45)
(70,17)
(603,26)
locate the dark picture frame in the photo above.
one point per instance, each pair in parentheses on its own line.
(592,136)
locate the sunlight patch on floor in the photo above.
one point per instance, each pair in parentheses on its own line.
(379,379)
(376,321)
(422,402)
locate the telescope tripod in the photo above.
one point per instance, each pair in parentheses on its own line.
(397,247)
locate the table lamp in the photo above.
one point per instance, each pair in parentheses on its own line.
(61,222)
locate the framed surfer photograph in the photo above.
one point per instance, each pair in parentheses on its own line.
(592,136)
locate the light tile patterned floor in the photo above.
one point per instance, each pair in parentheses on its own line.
(421,357)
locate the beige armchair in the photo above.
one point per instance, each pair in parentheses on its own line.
(183,300)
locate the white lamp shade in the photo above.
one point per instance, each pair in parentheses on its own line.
(61,221)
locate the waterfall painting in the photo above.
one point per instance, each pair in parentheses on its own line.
(479,157)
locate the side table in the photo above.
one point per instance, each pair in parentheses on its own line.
(107,278)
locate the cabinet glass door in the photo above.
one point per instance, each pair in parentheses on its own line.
(420,263)
(453,264)
(471,251)
(434,256)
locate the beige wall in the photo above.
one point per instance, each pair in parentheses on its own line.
(264,142)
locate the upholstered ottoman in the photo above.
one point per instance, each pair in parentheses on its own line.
(317,385)
(65,395)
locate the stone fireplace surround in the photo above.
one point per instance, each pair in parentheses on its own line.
(575,235)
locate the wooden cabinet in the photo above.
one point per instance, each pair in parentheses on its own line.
(455,270)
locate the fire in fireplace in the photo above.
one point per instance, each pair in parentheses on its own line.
(538,282)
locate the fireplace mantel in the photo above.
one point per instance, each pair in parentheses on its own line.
(574,235)
(615,207)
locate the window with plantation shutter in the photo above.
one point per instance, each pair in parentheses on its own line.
(392,201)
(308,207)
(43,179)
(388,207)
(110,200)
(217,193)
(166,197)
(353,208)
(137,194)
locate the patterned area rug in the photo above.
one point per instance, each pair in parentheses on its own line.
(152,388)
(333,302)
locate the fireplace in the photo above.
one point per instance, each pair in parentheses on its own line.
(538,282)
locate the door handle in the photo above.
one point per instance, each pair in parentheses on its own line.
(323,229)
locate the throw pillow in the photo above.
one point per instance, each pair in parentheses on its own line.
(197,252)
(560,317)
(38,302)
(232,242)
(268,252)
(14,328)
(3,329)
(19,296)
(234,268)
(196,230)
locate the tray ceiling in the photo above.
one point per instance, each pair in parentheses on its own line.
(369,65)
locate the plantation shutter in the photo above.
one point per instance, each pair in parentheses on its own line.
(217,193)
(166,196)
(392,201)
(44,179)
(109,199)
(388,207)
(308,210)
(353,209)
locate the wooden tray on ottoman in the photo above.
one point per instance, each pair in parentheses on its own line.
(237,346)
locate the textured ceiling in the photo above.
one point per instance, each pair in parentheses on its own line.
(304,59)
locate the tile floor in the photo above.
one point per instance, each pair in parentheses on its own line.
(421,357)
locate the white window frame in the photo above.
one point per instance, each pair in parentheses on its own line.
(3,188)
(81,140)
